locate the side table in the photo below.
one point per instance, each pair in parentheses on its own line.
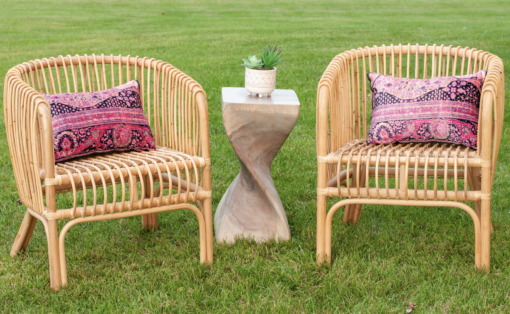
(257,128)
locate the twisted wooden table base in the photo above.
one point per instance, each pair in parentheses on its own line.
(251,206)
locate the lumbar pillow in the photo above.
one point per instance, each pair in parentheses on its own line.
(98,122)
(441,109)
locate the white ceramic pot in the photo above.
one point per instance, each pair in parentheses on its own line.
(260,81)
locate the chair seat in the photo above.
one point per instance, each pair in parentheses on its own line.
(349,165)
(172,169)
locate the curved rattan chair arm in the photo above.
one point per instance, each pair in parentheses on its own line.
(328,91)
(27,118)
(492,107)
(322,120)
(201,101)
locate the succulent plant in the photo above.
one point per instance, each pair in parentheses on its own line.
(271,57)
(252,62)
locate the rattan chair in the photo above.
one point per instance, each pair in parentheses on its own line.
(113,185)
(403,174)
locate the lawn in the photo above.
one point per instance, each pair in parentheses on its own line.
(394,256)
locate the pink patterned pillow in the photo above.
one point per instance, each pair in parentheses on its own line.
(98,122)
(442,109)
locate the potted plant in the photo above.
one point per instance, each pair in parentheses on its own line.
(260,75)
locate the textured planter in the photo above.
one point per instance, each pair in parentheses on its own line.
(260,81)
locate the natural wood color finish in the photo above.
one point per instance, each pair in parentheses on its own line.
(257,127)
(404,174)
(113,185)
(24,234)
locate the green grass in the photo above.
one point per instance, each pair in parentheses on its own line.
(395,255)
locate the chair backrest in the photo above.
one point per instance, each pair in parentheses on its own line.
(167,94)
(346,77)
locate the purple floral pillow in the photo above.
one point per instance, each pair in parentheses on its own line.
(442,109)
(98,122)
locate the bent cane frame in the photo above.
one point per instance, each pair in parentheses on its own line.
(65,229)
(464,207)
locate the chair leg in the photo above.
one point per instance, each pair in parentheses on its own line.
(327,230)
(150,221)
(486,234)
(356,215)
(29,234)
(24,234)
(485,217)
(349,209)
(475,184)
(53,254)
(356,209)
(321,226)
(200,205)
(478,209)
(207,212)
(322,182)
(347,215)
(472,175)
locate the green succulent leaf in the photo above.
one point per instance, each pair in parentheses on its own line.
(271,57)
(252,62)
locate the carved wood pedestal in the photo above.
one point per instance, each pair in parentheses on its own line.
(257,128)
